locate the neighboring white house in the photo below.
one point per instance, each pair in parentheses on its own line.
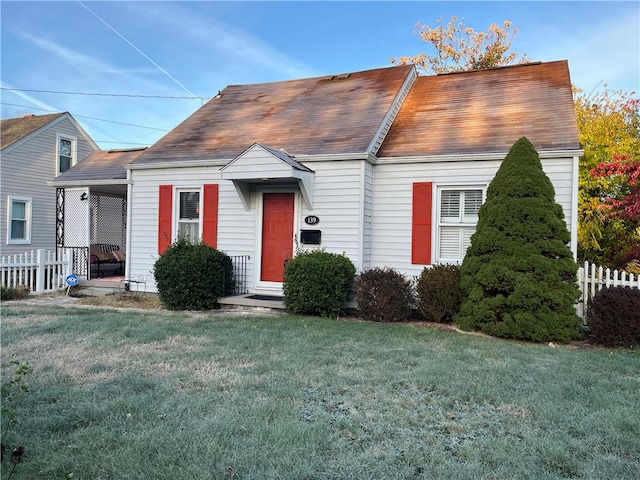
(385,166)
(35,148)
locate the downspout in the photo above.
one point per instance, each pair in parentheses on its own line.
(127,269)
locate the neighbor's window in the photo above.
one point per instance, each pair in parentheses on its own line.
(189,215)
(19,219)
(457,218)
(66,151)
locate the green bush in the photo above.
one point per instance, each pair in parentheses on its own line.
(613,315)
(317,283)
(14,293)
(518,277)
(192,276)
(438,294)
(383,295)
(7,293)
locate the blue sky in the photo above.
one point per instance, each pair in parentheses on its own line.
(189,49)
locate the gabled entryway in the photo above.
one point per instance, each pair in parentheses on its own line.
(274,180)
(260,165)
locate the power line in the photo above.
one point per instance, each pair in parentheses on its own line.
(201,99)
(141,52)
(85,116)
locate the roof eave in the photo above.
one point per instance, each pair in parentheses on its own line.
(465,157)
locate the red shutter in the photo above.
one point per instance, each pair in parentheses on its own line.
(210,216)
(165,206)
(421,223)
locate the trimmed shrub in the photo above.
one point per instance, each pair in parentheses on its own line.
(383,295)
(317,283)
(438,294)
(192,276)
(518,277)
(613,316)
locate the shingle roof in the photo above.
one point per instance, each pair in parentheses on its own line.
(486,111)
(14,129)
(322,115)
(100,165)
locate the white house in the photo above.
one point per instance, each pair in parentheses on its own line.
(385,166)
(34,149)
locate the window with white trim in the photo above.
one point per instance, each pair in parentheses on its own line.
(19,220)
(189,214)
(457,218)
(66,154)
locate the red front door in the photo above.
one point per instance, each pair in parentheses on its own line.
(277,235)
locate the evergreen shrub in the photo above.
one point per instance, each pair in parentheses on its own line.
(317,283)
(438,294)
(613,315)
(518,277)
(383,295)
(192,276)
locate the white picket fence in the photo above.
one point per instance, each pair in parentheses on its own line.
(38,269)
(593,278)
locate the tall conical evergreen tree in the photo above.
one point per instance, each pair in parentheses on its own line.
(519,276)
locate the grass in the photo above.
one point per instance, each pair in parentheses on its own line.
(121,394)
(142,301)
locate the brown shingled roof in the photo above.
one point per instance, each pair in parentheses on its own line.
(486,111)
(323,115)
(14,129)
(100,165)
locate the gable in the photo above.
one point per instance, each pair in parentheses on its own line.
(261,164)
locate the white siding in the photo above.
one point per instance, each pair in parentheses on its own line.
(364,210)
(25,170)
(393,196)
(367,221)
(338,204)
(142,249)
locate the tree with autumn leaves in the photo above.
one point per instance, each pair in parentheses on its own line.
(609,177)
(609,132)
(458,47)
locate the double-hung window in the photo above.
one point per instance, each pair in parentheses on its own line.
(66,154)
(189,214)
(19,219)
(457,218)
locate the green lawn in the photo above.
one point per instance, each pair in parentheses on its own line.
(134,395)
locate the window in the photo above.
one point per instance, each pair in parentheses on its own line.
(189,215)
(194,218)
(19,228)
(457,218)
(66,154)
